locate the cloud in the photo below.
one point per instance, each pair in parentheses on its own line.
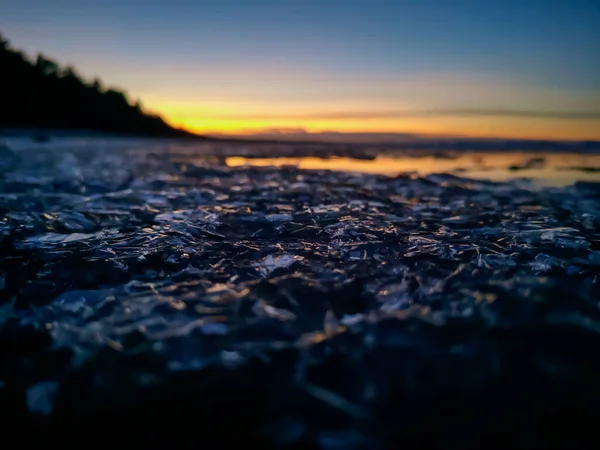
(402,114)
(568,115)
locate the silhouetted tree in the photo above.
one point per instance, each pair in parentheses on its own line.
(46,66)
(41,94)
(70,73)
(97,85)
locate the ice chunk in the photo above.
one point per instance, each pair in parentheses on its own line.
(40,397)
(545,263)
(274,262)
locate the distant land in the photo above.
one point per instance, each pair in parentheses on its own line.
(414,141)
(39,94)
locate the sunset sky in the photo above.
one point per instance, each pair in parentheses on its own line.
(506,68)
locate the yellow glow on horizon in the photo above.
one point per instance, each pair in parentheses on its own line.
(245,117)
(473,127)
(307,103)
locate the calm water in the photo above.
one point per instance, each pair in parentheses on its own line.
(545,170)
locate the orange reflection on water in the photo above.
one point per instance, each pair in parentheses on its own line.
(546,169)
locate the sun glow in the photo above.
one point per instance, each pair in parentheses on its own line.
(464,126)
(366,108)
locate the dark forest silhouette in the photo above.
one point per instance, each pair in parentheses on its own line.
(42,94)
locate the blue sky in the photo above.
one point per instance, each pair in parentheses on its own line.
(211,63)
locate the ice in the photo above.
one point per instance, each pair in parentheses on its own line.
(271,263)
(395,296)
(334,301)
(40,397)
(545,263)
(279,217)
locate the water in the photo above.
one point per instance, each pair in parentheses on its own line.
(544,169)
(547,170)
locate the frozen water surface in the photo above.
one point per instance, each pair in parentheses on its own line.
(297,306)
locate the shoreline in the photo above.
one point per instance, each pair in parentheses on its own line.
(419,144)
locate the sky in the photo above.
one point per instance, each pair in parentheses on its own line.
(509,68)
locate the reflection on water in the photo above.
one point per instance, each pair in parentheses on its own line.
(547,170)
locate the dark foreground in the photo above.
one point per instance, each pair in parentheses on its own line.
(166,304)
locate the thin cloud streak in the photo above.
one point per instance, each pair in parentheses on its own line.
(569,115)
(374,115)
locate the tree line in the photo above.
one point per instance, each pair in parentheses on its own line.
(41,94)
